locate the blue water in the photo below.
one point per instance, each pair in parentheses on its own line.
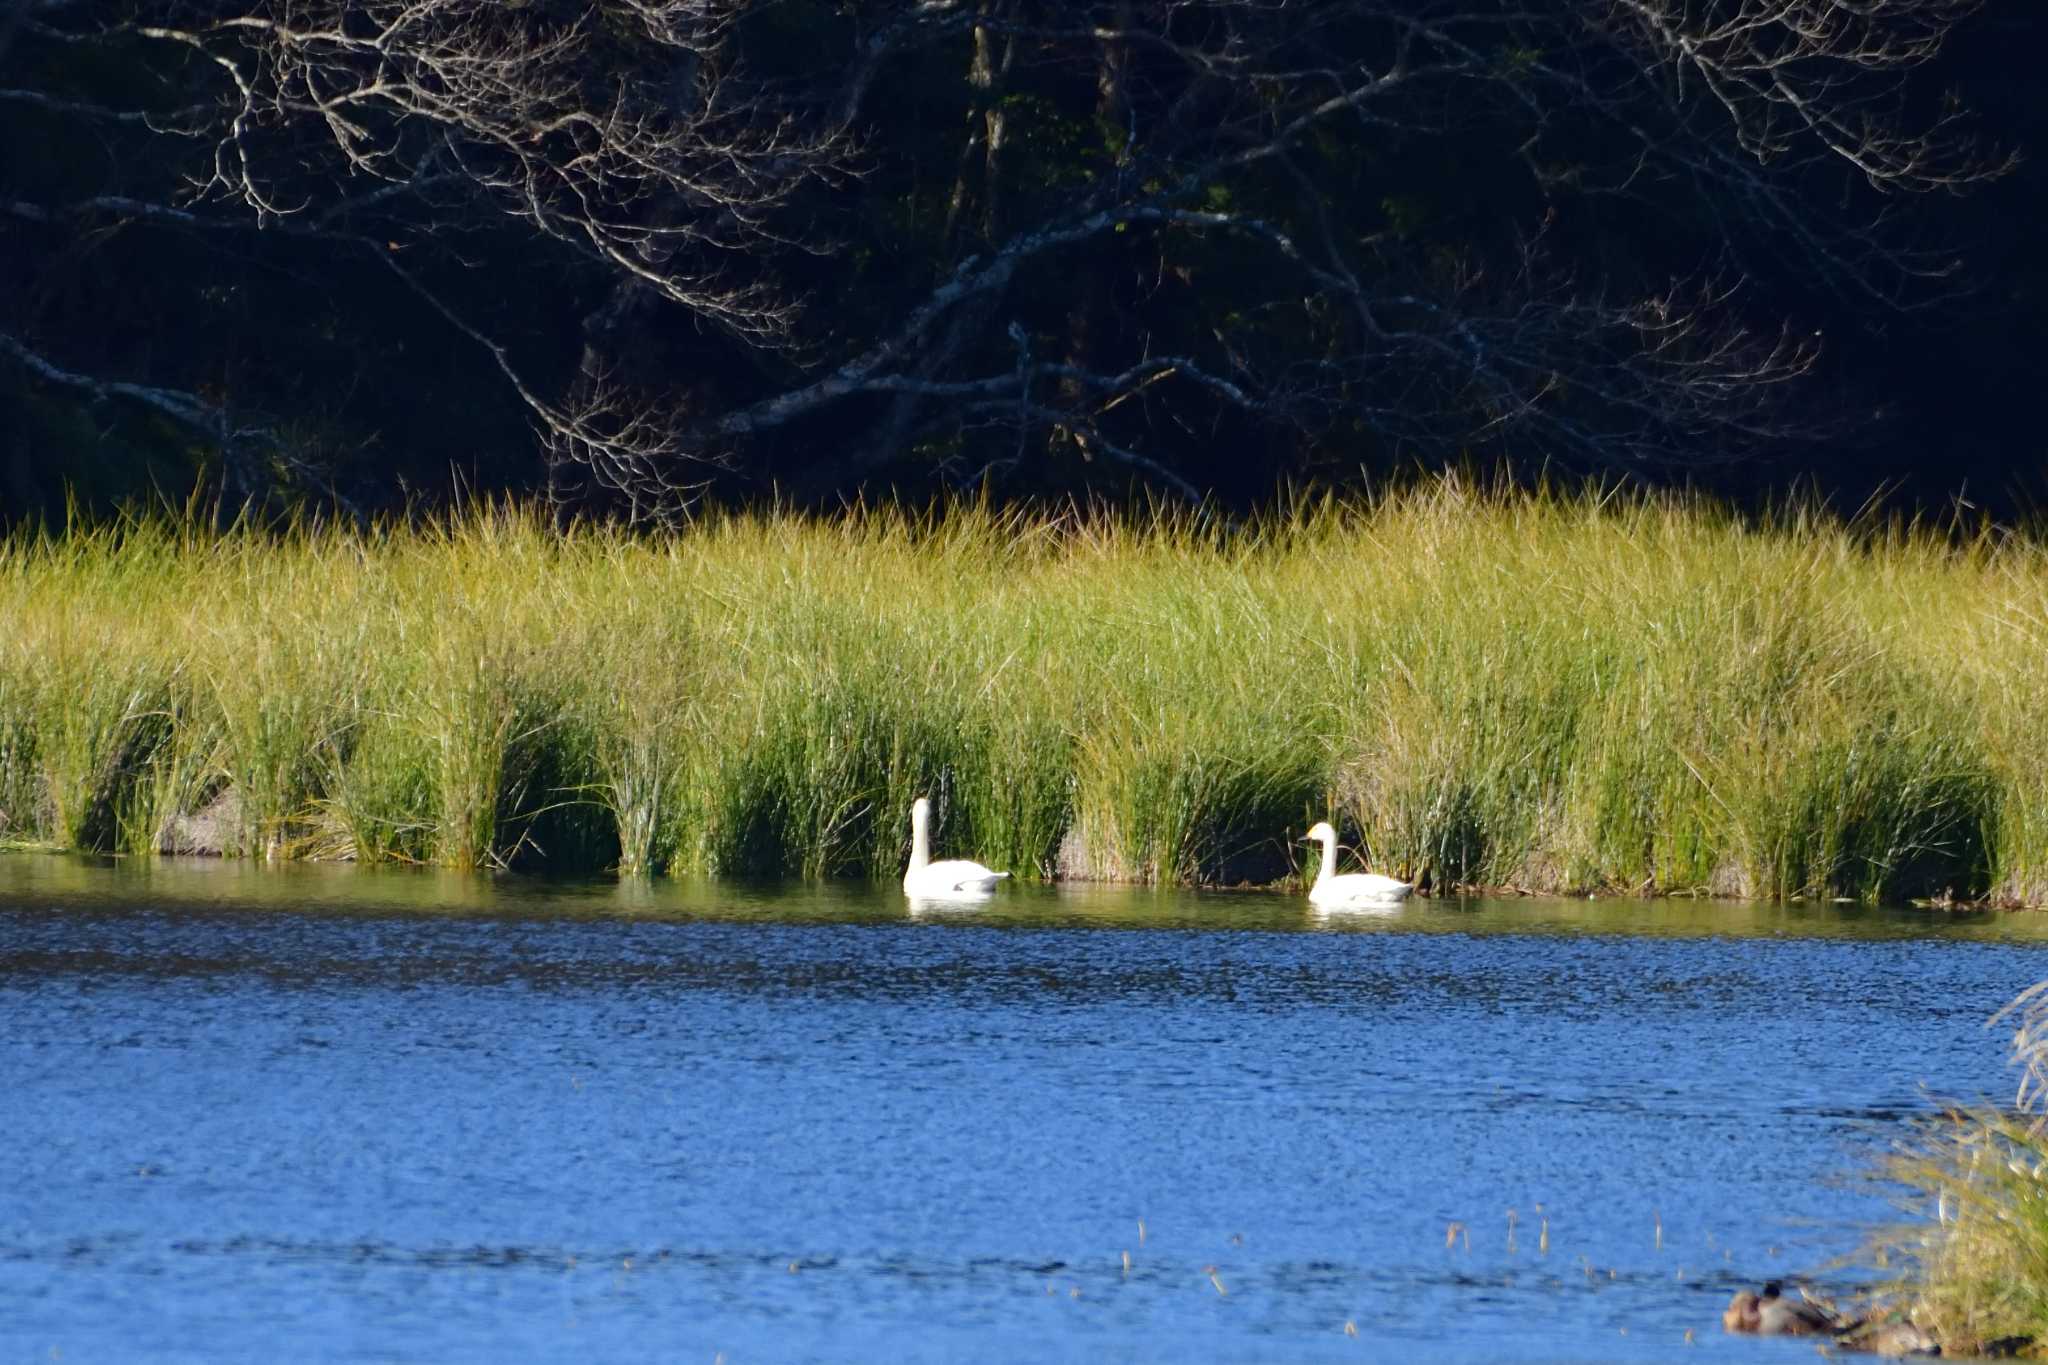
(330,1114)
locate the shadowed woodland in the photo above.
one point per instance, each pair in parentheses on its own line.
(632,255)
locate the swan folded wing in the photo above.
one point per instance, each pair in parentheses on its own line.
(953,875)
(1359,888)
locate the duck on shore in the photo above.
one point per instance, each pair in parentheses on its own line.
(1770,1314)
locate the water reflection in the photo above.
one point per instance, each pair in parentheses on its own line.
(937,907)
(53,882)
(1360,916)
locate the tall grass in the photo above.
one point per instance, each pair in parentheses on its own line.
(1544,691)
(1975,1270)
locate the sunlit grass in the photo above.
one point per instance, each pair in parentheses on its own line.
(1978,1263)
(1548,692)
(1974,1269)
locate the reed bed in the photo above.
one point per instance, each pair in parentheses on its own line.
(1544,691)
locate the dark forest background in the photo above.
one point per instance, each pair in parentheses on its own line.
(633,254)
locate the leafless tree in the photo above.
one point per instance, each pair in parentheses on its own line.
(1203,265)
(1749,104)
(618,131)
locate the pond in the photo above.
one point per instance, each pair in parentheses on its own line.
(342,1114)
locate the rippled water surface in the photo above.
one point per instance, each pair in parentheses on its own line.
(320,1113)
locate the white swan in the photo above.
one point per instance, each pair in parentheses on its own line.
(1333,892)
(955,877)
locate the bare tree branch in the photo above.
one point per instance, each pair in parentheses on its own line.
(1224,180)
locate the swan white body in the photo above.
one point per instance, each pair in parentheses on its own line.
(1334,892)
(950,878)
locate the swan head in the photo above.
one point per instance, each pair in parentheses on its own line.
(1320,832)
(920,809)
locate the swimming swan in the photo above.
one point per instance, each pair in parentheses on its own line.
(1353,888)
(953,877)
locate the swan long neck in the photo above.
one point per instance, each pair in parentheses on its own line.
(920,839)
(1329,865)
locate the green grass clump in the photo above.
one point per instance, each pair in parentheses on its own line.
(87,672)
(1974,1270)
(1977,1268)
(296,620)
(1547,691)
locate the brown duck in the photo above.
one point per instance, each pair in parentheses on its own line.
(1771,1314)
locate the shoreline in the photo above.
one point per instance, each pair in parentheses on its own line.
(1285,886)
(1520,693)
